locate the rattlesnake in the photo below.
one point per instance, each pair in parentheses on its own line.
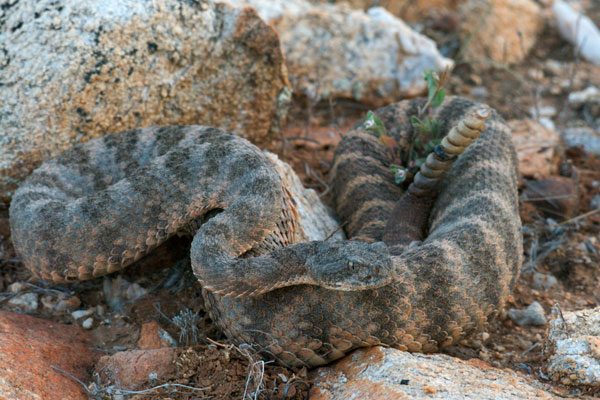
(102,205)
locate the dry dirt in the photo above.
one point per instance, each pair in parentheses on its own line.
(309,139)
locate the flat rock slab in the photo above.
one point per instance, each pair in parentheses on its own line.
(71,70)
(30,347)
(336,51)
(385,373)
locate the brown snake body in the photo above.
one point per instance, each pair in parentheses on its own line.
(103,205)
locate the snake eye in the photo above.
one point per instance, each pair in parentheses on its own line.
(351,264)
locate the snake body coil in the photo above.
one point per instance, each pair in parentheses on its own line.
(102,205)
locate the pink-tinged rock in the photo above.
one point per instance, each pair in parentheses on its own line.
(30,347)
(536,148)
(490,28)
(152,336)
(556,197)
(385,373)
(129,370)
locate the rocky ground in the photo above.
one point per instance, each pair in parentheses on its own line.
(141,314)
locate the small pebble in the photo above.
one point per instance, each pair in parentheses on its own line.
(16,287)
(554,66)
(524,344)
(583,136)
(542,111)
(58,303)
(587,247)
(590,94)
(547,123)
(87,324)
(543,281)
(68,304)
(479,91)
(476,344)
(595,203)
(590,245)
(535,73)
(79,314)
(25,301)
(484,355)
(100,310)
(429,389)
(534,314)
(135,291)
(555,90)
(165,335)
(48,301)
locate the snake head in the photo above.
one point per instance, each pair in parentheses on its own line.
(351,265)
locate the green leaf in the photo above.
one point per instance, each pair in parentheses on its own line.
(399,173)
(432,83)
(374,124)
(418,144)
(429,146)
(435,130)
(439,98)
(369,121)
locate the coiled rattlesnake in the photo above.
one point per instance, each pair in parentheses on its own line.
(102,205)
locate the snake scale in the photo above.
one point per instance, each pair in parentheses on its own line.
(102,205)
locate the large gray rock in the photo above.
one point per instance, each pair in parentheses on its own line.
(333,50)
(572,348)
(71,70)
(384,373)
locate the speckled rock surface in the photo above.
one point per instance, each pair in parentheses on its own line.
(408,10)
(333,50)
(572,348)
(502,31)
(71,70)
(30,347)
(131,369)
(385,373)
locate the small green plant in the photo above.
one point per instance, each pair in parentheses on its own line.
(427,131)
(375,125)
(435,97)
